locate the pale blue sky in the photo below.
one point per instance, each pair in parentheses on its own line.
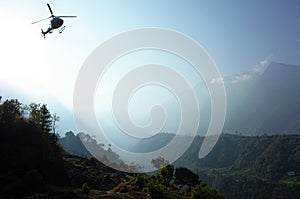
(236,34)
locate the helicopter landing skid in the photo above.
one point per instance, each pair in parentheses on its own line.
(62,29)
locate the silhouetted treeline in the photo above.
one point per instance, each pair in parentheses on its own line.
(30,155)
(34,166)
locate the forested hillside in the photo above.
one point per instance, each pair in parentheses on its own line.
(249,166)
(34,166)
(30,156)
(241,166)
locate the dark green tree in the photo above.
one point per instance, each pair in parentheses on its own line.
(41,116)
(184,176)
(165,175)
(159,162)
(11,111)
(156,191)
(55,118)
(202,191)
(27,151)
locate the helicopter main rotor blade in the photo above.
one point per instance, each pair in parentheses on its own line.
(68,16)
(40,20)
(50,9)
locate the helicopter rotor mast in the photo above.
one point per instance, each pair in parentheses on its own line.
(52,15)
(56,22)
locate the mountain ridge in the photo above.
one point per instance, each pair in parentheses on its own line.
(266,103)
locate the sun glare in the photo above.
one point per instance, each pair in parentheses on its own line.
(23,52)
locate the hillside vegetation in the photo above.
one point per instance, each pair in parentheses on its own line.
(249,166)
(239,166)
(34,166)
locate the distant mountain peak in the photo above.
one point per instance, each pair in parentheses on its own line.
(277,65)
(269,69)
(281,72)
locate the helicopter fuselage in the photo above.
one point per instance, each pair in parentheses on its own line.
(56,22)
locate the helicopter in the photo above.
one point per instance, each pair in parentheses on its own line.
(55,23)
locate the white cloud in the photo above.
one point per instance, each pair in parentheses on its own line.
(241,77)
(257,69)
(217,80)
(261,66)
